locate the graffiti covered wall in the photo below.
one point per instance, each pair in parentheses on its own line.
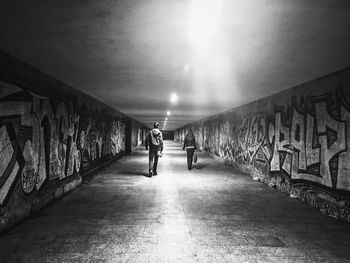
(44,142)
(297,141)
(50,136)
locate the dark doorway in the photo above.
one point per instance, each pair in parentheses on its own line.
(168,135)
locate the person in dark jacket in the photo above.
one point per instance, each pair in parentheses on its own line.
(154,141)
(190,145)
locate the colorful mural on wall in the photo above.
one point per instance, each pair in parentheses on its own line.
(44,140)
(305,142)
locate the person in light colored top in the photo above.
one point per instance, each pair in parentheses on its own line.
(154,141)
(190,145)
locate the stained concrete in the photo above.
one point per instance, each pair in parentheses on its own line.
(209,214)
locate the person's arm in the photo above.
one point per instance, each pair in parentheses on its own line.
(183,148)
(161,142)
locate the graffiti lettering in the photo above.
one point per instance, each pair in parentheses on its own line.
(252,141)
(50,142)
(310,145)
(117,137)
(8,164)
(309,152)
(343,181)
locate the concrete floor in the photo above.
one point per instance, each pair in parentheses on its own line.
(209,214)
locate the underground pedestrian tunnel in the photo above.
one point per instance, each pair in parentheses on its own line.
(263,85)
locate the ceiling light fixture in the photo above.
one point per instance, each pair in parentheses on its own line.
(168,113)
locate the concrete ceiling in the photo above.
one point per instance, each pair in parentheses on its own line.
(132,54)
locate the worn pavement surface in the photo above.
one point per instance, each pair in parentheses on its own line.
(209,214)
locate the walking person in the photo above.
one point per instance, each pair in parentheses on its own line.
(190,145)
(154,141)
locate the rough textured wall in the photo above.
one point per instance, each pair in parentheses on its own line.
(138,132)
(50,136)
(296,141)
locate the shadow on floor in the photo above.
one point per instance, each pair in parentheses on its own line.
(136,173)
(198,166)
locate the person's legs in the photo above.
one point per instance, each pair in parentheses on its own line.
(190,153)
(191,158)
(188,158)
(150,164)
(155,164)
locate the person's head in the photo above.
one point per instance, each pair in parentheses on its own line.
(156,125)
(189,131)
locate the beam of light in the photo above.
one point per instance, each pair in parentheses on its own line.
(212,75)
(204,21)
(211,60)
(166,118)
(187,68)
(168,113)
(173,98)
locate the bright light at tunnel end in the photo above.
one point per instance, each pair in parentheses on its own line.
(173,98)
